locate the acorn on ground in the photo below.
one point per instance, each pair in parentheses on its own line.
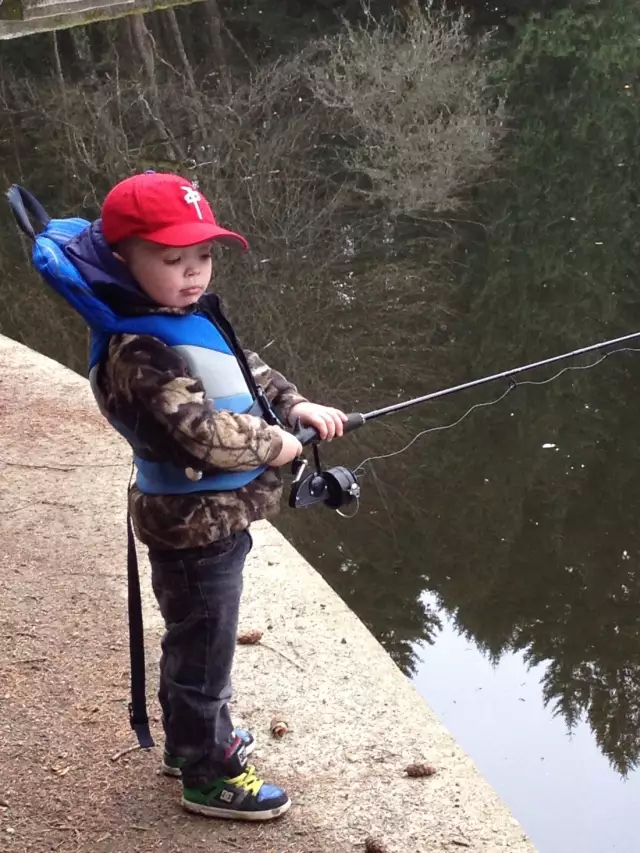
(250,638)
(279,727)
(375,845)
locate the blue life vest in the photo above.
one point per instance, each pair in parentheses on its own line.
(195,336)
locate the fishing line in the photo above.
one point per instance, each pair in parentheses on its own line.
(339,486)
(512,385)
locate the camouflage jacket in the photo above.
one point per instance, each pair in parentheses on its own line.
(147,386)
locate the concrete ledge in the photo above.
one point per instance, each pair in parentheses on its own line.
(23,19)
(77,8)
(355,720)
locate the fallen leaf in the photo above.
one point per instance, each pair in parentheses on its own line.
(62,771)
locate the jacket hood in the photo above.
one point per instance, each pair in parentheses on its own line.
(108,278)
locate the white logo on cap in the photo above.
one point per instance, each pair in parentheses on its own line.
(193,197)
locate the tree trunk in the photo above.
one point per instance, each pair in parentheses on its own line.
(198,112)
(63,93)
(213,17)
(144,43)
(125,48)
(174,28)
(99,39)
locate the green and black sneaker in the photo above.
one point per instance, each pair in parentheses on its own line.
(172,764)
(243,797)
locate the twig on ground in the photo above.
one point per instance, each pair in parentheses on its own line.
(461,842)
(129,749)
(65,467)
(41,503)
(284,655)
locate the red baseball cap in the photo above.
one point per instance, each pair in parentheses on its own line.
(162,208)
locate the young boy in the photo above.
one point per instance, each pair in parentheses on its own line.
(180,394)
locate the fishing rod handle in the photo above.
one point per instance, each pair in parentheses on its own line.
(307,435)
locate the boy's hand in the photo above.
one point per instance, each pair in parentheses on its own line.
(327,420)
(291,448)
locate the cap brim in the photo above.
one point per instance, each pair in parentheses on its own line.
(195,232)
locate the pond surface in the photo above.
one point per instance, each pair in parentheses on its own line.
(511,549)
(560,785)
(497,561)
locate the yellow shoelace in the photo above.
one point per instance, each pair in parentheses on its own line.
(248,780)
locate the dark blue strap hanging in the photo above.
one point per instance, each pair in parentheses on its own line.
(138,705)
(22,204)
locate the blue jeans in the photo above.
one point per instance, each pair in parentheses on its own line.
(198,591)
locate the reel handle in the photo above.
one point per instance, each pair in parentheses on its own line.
(309,435)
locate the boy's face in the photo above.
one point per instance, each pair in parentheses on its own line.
(173,276)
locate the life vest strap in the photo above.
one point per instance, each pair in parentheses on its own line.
(138,706)
(22,203)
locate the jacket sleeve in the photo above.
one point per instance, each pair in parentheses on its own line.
(281,393)
(148,386)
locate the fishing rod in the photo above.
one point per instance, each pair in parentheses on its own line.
(338,486)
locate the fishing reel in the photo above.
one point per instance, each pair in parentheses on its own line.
(334,487)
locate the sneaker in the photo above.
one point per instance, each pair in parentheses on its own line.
(244,797)
(172,764)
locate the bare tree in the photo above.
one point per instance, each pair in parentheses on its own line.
(414,101)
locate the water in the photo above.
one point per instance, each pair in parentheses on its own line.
(523,540)
(497,714)
(496,561)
